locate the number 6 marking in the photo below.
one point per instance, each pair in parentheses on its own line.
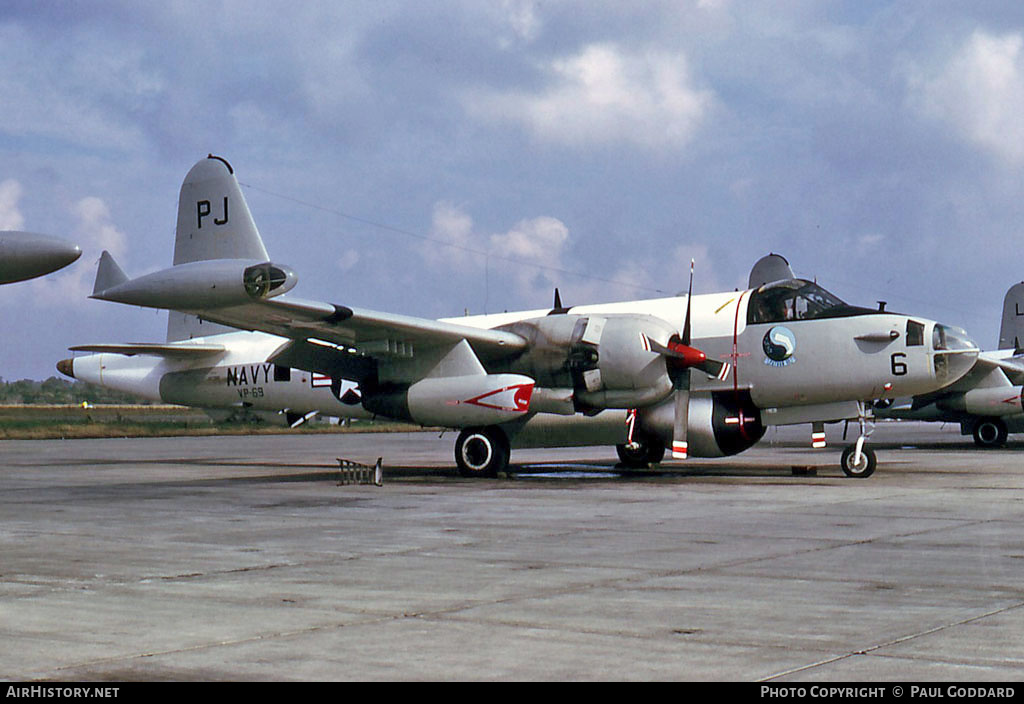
(899,368)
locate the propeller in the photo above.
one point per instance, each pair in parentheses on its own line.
(680,358)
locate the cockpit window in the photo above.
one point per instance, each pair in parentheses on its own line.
(795,299)
(915,333)
(946,338)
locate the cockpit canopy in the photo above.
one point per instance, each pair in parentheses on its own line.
(948,338)
(796,299)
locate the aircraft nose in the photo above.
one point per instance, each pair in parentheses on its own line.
(66,367)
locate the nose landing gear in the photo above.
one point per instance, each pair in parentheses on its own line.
(859,461)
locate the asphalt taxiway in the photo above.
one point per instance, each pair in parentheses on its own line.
(244,558)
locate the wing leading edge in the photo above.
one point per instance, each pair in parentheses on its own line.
(367,332)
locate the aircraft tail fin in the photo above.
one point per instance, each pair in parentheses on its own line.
(1011,332)
(108,274)
(214,222)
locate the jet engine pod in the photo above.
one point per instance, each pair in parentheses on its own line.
(995,401)
(456,401)
(605,359)
(204,285)
(721,423)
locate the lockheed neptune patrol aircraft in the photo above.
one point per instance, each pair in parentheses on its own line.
(988,401)
(700,374)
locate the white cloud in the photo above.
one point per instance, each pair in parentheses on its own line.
(539,240)
(93,232)
(605,94)
(85,90)
(521,18)
(532,250)
(348,260)
(10,217)
(95,229)
(450,224)
(870,242)
(981,93)
(524,256)
(530,259)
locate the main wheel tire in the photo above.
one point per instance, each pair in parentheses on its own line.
(482,452)
(647,452)
(990,432)
(865,468)
(632,457)
(655,452)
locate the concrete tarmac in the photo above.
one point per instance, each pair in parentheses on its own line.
(243,558)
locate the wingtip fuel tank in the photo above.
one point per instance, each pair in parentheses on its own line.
(201,285)
(26,255)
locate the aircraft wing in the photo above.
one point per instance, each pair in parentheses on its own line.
(1012,364)
(998,368)
(180,351)
(235,293)
(371,333)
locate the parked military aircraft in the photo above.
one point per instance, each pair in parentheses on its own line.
(702,374)
(26,255)
(987,402)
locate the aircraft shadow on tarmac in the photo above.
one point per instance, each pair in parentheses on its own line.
(816,464)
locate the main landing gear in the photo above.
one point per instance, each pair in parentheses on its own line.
(859,461)
(641,454)
(482,452)
(990,432)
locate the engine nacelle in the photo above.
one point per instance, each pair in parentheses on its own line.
(721,423)
(215,283)
(602,358)
(995,401)
(455,401)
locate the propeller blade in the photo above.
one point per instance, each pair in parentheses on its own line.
(680,449)
(686,321)
(682,356)
(716,369)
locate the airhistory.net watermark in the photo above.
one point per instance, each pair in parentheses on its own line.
(49,692)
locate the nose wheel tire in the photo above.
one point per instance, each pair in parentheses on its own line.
(990,433)
(482,452)
(860,470)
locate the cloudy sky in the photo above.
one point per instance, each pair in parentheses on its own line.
(434,157)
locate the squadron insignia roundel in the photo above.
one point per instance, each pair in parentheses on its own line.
(779,344)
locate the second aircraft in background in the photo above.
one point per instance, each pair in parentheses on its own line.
(988,401)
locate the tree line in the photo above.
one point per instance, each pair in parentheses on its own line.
(61,391)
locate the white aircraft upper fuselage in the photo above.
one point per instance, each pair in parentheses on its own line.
(883,366)
(875,368)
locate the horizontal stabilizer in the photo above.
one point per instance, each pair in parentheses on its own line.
(108,275)
(294,420)
(156,349)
